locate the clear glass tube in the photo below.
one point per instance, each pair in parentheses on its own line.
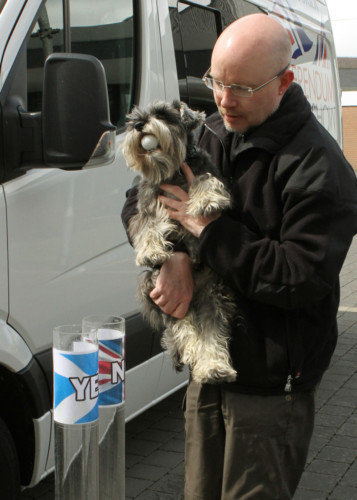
(110,332)
(75,362)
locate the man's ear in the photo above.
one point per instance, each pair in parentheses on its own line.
(285,80)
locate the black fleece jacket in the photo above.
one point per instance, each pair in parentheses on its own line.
(282,245)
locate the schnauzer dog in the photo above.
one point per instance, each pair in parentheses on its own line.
(158,141)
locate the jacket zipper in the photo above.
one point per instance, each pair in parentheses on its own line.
(293,347)
(289,382)
(288,385)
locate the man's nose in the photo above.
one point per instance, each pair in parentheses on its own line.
(228,99)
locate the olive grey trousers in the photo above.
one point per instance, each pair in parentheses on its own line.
(241,447)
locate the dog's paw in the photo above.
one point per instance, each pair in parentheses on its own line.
(207,374)
(207,195)
(153,259)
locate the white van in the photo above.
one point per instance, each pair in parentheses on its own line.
(63,250)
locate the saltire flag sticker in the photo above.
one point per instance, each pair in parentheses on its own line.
(111,344)
(76,386)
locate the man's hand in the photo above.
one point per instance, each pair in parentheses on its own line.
(174,286)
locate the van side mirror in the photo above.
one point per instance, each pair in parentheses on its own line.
(76,124)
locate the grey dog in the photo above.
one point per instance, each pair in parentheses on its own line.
(159,139)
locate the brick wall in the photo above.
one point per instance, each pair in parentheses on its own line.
(349,117)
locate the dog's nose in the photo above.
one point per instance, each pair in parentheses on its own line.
(139,126)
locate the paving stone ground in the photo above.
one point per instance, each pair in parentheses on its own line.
(155,439)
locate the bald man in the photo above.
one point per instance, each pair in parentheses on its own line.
(280,248)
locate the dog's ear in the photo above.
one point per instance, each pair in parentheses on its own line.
(176,104)
(190,118)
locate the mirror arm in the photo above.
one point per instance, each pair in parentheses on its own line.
(31,127)
(23,140)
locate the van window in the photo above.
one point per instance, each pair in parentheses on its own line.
(237,9)
(105,29)
(192,52)
(46,38)
(102,28)
(195,28)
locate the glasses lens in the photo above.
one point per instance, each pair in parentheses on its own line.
(210,83)
(238,91)
(218,87)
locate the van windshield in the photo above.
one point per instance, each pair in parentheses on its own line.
(105,30)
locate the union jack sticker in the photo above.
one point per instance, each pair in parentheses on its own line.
(111,344)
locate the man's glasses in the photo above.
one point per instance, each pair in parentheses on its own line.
(237,90)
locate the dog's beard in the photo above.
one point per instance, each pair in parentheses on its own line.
(159,164)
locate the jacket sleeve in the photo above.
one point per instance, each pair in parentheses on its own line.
(303,262)
(130,206)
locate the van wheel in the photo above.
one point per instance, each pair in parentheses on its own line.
(9,465)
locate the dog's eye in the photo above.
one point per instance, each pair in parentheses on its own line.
(161,116)
(168,116)
(139,126)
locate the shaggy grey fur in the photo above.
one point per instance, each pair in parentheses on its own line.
(201,338)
